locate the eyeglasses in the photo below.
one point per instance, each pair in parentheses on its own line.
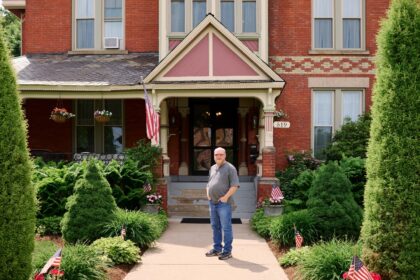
(219,154)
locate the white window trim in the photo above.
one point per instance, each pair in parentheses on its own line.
(99,29)
(337,29)
(337,105)
(98,128)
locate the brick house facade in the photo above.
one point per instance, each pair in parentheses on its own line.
(311,59)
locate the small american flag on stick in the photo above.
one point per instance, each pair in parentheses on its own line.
(358,271)
(298,238)
(123,233)
(54,261)
(147,187)
(276,195)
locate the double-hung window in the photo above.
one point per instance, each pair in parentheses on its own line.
(199,9)
(85,24)
(338,24)
(331,109)
(95,21)
(95,137)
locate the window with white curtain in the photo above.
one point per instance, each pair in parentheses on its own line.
(249,16)
(94,137)
(177,16)
(95,20)
(199,11)
(338,24)
(85,24)
(227,14)
(113,18)
(331,109)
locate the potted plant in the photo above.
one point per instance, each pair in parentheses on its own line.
(280,114)
(60,115)
(154,201)
(102,116)
(273,206)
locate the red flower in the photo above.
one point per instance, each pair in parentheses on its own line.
(56,272)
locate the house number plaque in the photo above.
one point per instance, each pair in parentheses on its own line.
(281,124)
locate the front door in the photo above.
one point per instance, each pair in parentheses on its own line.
(213,124)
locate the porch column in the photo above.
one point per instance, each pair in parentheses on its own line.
(164,131)
(243,168)
(183,167)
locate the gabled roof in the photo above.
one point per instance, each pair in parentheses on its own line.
(210,52)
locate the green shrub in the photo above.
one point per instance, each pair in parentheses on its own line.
(326,260)
(355,171)
(90,208)
(293,257)
(49,225)
(145,154)
(141,228)
(83,262)
(17,199)
(282,231)
(332,204)
(118,250)
(350,140)
(300,186)
(261,223)
(391,224)
(298,162)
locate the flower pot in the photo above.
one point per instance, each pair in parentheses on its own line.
(151,208)
(102,119)
(273,210)
(58,118)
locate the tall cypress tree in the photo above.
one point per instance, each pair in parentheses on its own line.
(17,200)
(391,224)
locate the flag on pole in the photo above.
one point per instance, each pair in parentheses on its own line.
(358,271)
(298,239)
(276,195)
(55,260)
(152,118)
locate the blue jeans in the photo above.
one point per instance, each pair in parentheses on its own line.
(221,220)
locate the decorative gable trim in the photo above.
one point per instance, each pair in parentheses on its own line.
(212,28)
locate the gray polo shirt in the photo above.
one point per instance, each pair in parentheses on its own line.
(220,180)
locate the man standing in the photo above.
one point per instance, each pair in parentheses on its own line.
(223,183)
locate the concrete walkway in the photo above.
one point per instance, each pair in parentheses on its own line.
(179,255)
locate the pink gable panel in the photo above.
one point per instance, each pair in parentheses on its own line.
(173,43)
(227,63)
(195,63)
(251,44)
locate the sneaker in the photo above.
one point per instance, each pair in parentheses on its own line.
(213,253)
(225,256)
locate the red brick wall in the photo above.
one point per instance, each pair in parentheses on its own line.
(47,26)
(142,25)
(375,11)
(44,133)
(135,121)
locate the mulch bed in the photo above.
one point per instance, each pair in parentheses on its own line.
(278,252)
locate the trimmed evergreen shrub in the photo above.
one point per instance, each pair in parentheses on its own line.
(83,262)
(282,230)
(350,140)
(17,200)
(332,204)
(141,228)
(391,226)
(90,208)
(300,186)
(326,260)
(118,250)
(261,223)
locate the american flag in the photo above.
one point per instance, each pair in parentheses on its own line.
(358,271)
(152,119)
(123,233)
(276,193)
(147,187)
(55,260)
(298,239)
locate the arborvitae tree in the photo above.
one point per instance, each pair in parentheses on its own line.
(17,200)
(90,208)
(391,226)
(331,203)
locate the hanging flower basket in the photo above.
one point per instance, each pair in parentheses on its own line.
(102,116)
(60,115)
